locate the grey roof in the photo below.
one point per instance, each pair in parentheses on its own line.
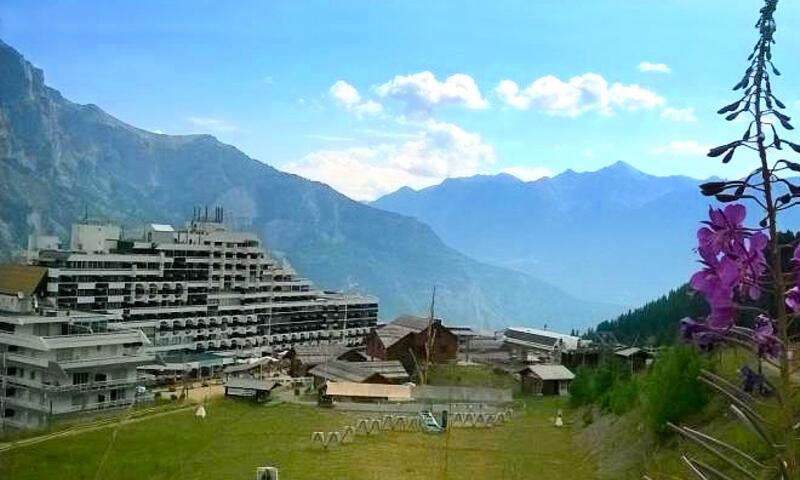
(250,384)
(550,372)
(315,354)
(412,322)
(461,394)
(340,371)
(531,338)
(243,367)
(630,351)
(400,327)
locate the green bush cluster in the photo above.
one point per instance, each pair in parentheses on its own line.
(671,390)
(668,391)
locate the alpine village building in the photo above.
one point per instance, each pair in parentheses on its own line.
(81,319)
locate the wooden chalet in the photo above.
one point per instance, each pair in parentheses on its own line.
(546,379)
(406,339)
(386,372)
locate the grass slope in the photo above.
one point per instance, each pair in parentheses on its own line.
(238,436)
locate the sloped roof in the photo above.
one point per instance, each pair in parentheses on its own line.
(550,372)
(250,384)
(630,351)
(542,338)
(243,367)
(412,322)
(20,278)
(315,354)
(461,394)
(337,370)
(161,227)
(368,390)
(400,327)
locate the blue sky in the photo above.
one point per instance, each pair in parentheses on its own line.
(370,96)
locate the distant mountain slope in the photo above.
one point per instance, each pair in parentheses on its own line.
(57,157)
(616,234)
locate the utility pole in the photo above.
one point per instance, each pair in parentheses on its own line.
(430,340)
(3,392)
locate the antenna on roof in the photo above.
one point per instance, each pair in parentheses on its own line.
(206,215)
(85,212)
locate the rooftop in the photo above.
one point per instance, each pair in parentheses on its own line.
(368,390)
(337,370)
(550,372)
(23,279)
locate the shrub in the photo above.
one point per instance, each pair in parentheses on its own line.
(623,396)
(671,390)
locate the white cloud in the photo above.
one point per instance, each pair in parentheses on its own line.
(528,174)
(421,92)
(345,93)
(578,95)
(348,96)
(438,151)
(679,114)
(654,67)
(213,125)
(683,148)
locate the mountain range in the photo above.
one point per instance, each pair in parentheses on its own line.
(616,235)
(59,159)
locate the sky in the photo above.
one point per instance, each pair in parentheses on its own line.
(370,96)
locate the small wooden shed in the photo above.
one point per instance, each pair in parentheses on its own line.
(546,379)
(635,356)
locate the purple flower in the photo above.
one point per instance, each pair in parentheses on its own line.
(793,299)
(752,382)
(699,333)
(724,231)
(764,335)
(752,265)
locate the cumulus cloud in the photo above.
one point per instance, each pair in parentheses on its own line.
(440,150)
(421,92)
(348,97)
(679,114)
(654,67)
(528,174)
(683,148)
(578,95)
(213,125)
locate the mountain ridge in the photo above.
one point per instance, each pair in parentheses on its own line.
(57,158)
(616,233)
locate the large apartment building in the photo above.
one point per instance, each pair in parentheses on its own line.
(54,363)
(202,288)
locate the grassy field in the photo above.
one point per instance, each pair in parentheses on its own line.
(239,436)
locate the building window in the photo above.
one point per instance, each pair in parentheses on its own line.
(80,378)
(9,413)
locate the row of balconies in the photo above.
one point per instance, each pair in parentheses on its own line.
(83,387)
(254,342)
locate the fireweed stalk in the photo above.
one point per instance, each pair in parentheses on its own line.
(740,264)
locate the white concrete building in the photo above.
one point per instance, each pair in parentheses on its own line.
(58,363)
(201,288)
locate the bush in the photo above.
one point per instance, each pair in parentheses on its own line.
(623,397)
(672,391)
